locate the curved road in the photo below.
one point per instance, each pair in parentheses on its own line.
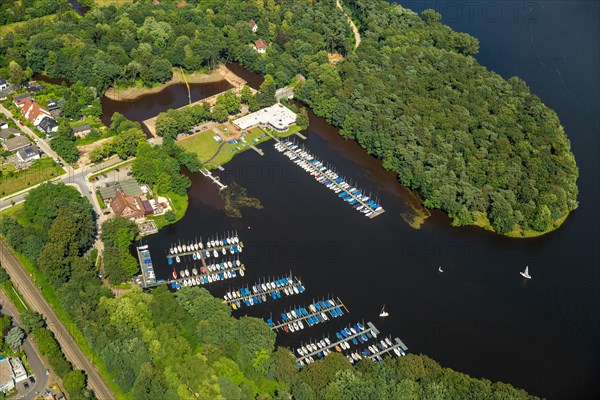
(357,38)
(36,301)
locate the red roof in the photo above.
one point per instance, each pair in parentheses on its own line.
(252,23)
(260,44)
(181,4)
(32,110)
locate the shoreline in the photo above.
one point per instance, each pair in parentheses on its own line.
(135,92)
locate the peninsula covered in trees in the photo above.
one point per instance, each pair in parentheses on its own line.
(485,150)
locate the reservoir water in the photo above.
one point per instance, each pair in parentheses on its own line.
(478,316)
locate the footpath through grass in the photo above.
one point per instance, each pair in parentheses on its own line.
(40,171)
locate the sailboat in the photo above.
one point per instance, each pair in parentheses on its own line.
(383,313)
(440,269)
(525,274)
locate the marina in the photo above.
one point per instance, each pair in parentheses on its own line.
(211,273)
(383,347)
(318,312)
(199,251)
(261,292)
(326,176)
(358,333)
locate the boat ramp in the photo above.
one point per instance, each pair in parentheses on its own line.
(261,292)
(318,312)
(326,176)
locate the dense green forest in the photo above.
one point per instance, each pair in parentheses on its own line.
(187,345)
(24,10)
(475,145)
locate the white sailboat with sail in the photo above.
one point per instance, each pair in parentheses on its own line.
(383,313)
(525,274)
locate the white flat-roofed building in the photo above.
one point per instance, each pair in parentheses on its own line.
(277,117)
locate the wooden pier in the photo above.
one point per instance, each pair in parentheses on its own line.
(256,149)
(268,292)
(338,304)
(215,179)
(369,328)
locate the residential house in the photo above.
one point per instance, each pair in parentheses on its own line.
(260,46)
(131,207)
(82,130)
(12,372)
(28,154)
(16,143)
(9,133)
(253,26)
(48,125)
(20,100)
(181,4)
(3,84)
(33,112)
(3,125)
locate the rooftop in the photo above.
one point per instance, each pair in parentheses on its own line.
(260,44)
(6,133)
(16,143)
(278,116)
(130,187)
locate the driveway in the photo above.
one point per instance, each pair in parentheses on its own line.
(36,366)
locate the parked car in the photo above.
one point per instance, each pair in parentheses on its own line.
(26,385)
(21,122)
(32,379)
(47,372)
(105,176)
(106,212)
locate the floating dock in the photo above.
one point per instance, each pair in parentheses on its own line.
(322,351)
(288,285)
(309,316)
(148,278)
(327,177)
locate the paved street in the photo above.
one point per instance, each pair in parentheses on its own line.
(36,366)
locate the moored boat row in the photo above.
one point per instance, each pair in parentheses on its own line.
(318,312)
(260,292)
(197,246)
(330,179)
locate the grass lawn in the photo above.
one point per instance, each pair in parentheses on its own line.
(14,296)
(112,2)
(5,29)
(179,205)
(100,201)
(40,171)
(205,146)
(5,168)
(14,211)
